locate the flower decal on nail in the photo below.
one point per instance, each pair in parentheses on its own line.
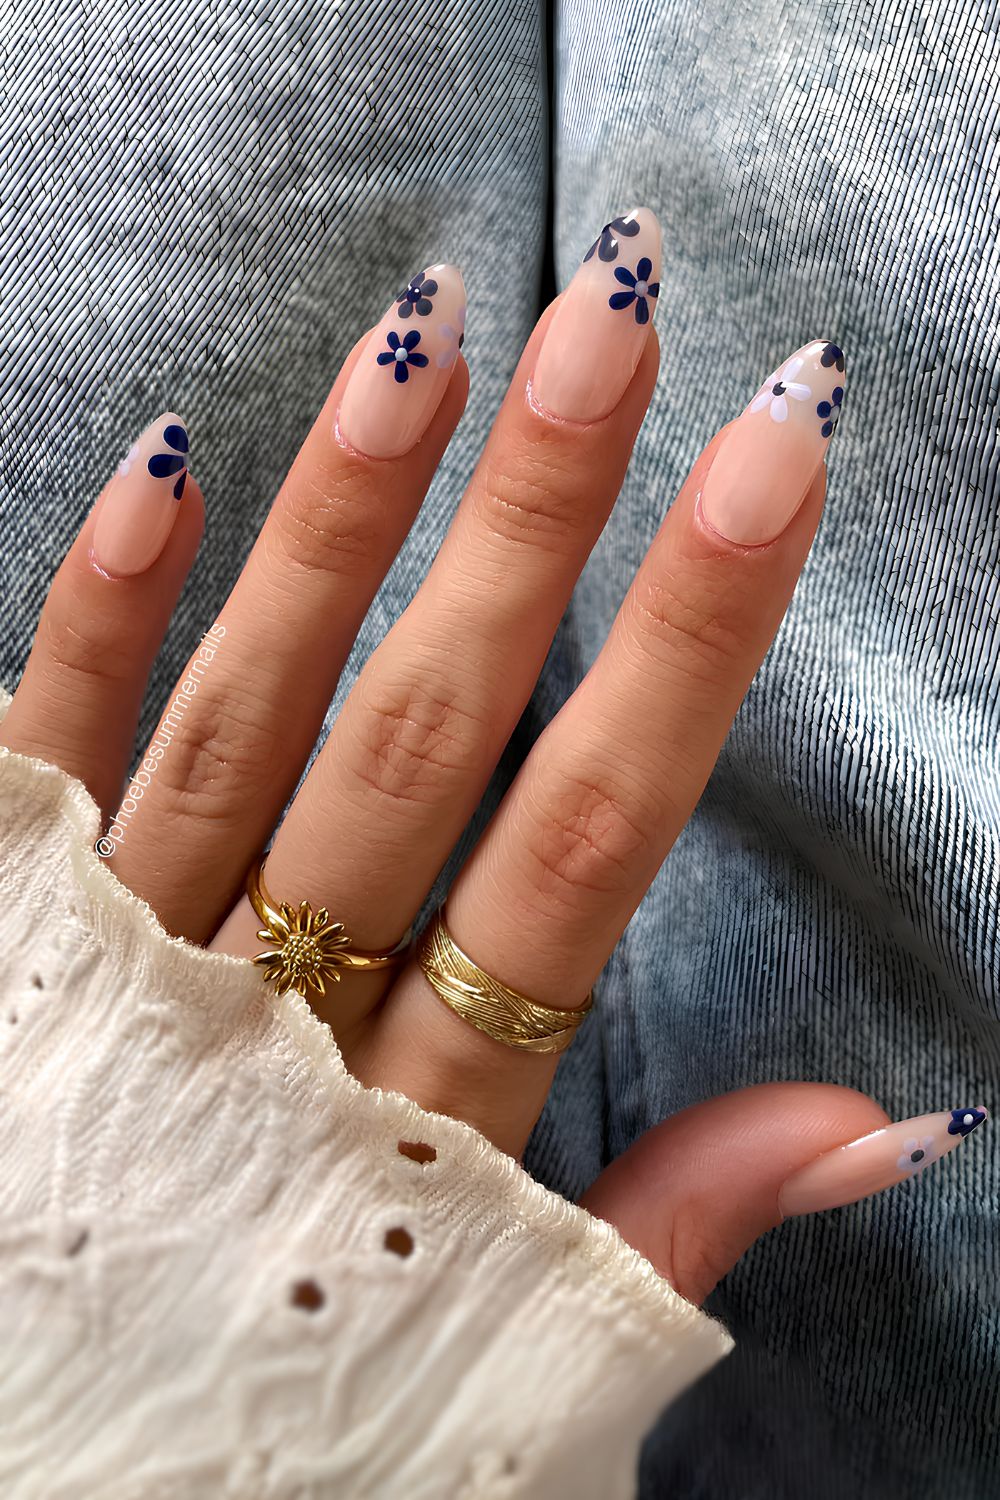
(916,1154)
(775,392)
(829,411)
(416,298)
(640,288)
(402,353)
(452,339)
(163,465)
(832,357)
(964,1121)
(606,243)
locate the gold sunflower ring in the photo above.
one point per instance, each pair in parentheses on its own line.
(305,947)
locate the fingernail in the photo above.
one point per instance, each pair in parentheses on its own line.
(600,328)
(876,1161)
(770,455)
(140,503)
(401,374)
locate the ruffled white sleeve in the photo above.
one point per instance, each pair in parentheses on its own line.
(228,1269)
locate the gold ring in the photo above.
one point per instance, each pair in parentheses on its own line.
(306,948)
(495,1008)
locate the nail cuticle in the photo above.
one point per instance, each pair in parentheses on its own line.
(753,548)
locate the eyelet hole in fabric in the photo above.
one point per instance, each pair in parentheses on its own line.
(399,1241)
(417,1151)
(307,1295)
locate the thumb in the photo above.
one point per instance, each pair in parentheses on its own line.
(693,1193)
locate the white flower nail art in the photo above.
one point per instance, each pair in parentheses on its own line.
(916,1154)
(453,337)
(778,388)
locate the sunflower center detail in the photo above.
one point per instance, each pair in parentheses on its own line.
(302,954)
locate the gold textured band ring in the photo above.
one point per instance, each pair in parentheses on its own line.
(306,948)
(493,1007)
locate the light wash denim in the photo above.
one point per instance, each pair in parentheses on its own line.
(205,204)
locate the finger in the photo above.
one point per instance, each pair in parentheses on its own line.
(694,1193)
(408,760)
(240,740)
(78,701)
(610,784)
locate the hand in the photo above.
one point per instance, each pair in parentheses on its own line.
(594,810)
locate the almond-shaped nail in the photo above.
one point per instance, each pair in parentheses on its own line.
(140,503)
(406,362)
(770,455)
(876,1161)
(600,328)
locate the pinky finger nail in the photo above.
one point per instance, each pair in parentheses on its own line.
(876,1161)
(140,503)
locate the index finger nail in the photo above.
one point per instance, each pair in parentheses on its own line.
(401,374)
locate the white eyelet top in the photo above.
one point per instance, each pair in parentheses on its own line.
(229,1270)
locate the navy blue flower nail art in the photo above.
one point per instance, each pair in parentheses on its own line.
(606,243)
(163,465)
(829,411)
(417,297)
(402,353)
(832,355)
(639,289)
(964,1121)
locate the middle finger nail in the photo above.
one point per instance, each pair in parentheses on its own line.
(595,339)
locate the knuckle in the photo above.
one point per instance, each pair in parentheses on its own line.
(216,755)
(88,650)
(527,495)
(590,833)
(329,523)
(415,739)
(691,627)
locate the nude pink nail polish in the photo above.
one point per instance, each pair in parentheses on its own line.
(401,374)
(601,326)
(140,503)
(770,455)
(876,1161)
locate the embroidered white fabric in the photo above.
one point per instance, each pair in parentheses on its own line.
(196,1294)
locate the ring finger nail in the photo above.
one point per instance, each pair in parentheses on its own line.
(405,365)
(140,503)
(769,456)
(876,1161)
(599,330)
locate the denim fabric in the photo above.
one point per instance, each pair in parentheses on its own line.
(203,209)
